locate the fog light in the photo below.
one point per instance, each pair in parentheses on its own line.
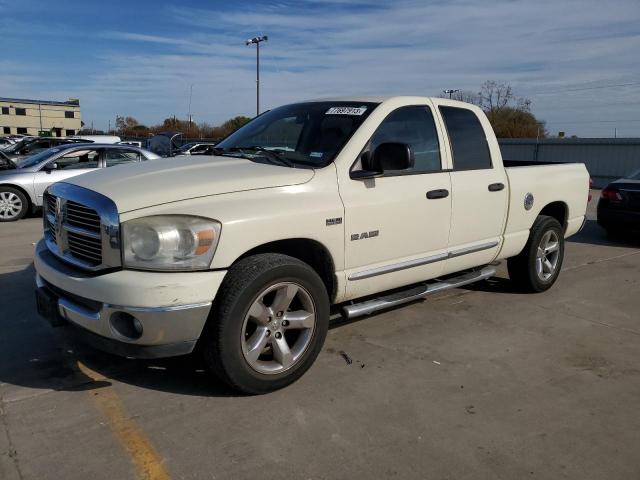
(126,325)
(137,325)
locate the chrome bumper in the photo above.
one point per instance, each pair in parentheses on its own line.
(170,309)
(166,331)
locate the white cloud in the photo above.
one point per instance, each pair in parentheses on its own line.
(339,47)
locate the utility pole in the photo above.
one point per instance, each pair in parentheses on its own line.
(257,41)
(190,95)
(451,91)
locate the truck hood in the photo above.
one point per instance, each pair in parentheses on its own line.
(167,180)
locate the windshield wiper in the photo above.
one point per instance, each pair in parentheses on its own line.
(269,154)
(274,157)
(227,152)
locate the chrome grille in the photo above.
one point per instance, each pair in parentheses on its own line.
(82,217)
(81,227)
(49,216)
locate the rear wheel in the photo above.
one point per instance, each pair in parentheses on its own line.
(537,267)
(268,325)
(13,204)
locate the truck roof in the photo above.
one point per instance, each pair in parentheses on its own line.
(381,99)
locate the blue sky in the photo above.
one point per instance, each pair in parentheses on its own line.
(577,60)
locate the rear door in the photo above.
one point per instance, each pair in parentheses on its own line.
(478,186)
(66,166)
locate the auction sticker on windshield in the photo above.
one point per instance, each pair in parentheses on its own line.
(346,111)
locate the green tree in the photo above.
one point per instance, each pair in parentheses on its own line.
(234,123)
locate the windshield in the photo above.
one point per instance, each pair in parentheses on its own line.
(301,134)
(635,175)
(39,157)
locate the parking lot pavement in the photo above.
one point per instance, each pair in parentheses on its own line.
(475,383)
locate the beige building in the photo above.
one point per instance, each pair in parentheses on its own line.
(31,117)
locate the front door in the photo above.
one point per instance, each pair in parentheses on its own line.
(396,230)
(67,166)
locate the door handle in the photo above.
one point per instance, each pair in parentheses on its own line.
(440,193)
(496,187)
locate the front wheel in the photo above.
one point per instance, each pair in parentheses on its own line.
(537,267)
(268,325)
(13,204)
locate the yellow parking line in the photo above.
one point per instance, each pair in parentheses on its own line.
(128,433)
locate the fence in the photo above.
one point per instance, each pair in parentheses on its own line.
(605,158)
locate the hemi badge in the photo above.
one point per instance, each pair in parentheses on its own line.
(334,221)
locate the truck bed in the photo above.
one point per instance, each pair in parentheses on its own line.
(528,163)
(546,183)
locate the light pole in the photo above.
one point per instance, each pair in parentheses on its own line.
(257,41)
(451,91)
(190,96)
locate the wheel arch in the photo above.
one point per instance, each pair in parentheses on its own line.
(312,252)
(24,192)
(558,210)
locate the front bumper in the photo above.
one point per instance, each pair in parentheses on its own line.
(172,308)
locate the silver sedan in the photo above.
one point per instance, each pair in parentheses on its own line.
(22,186)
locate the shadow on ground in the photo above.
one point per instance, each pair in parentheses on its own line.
(591,234)
(35,355)
(594,234)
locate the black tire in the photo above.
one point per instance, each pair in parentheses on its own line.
(24,201)
(522,268)
(221,342)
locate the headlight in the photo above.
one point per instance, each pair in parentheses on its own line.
(170,242)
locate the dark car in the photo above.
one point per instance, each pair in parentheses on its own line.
(619,205)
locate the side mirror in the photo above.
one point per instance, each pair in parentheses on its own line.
(387,156)
(392,156)
(49,167)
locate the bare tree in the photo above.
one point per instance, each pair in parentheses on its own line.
(495,96)
(510,116)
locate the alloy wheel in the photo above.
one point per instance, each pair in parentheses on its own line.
(547,255)
(10,205)
(278,328)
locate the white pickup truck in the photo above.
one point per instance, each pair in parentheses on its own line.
(342,205)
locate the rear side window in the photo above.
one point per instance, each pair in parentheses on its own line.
(119,157)
(414,126)
(467,137)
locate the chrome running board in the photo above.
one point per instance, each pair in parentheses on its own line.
(415,293)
